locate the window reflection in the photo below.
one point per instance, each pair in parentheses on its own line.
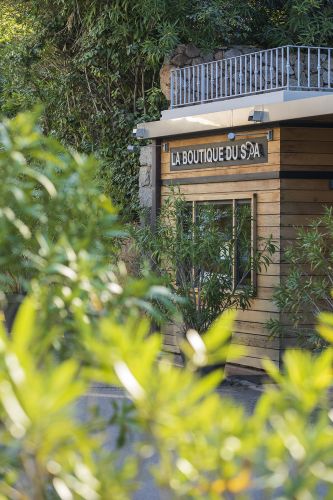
(226,228)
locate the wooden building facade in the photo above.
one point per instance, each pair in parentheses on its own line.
(286,192)
(288,183)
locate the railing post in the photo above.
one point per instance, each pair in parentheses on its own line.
(216,81)
(225,77)
(211,81)
(298,67)
(276,68)
(240,74)
(271,68)
(318,69)
(250,83)
(266,69)
(172,90)
(329,68)
(288,67)
(180,100)
(203,83)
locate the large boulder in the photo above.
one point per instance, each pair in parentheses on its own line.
(219,54)
(232,53)
(180,49)
(192,51)
(180,60)
(197,60)
(165,79)
(146,156)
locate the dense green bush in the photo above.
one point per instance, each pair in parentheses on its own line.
(204,258)
(95,65)
(47,195)
(306,290)
(58,229)
(205,445)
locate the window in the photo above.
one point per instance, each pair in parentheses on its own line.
(228,228)
(243,242)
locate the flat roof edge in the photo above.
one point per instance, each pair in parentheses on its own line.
(271,113)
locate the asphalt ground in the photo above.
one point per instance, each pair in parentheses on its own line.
(241,391)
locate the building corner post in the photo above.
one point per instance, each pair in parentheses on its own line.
(156,182)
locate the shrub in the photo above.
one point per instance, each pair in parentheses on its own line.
(205,445)
(196,257)
(306,290)
(58,229)
(47,194)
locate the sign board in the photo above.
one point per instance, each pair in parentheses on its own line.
(219,154)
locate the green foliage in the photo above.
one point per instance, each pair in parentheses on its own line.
(14,23)
(303,22)
(94,65)
(206,446)
(18,40)
(196,257)
(45,452)
(294,427)
(307,289)
(48,195)
(58,228)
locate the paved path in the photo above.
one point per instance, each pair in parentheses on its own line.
(103,398)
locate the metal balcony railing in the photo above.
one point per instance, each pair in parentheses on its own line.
(289,67)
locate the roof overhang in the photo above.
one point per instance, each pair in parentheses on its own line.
(293,110)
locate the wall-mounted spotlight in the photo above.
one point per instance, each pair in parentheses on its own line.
(133,148)
(138,133)
(256,116)
(269,135)
(231,136)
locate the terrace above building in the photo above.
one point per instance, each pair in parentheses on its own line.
(254,78)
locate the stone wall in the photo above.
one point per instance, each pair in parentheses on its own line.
(273,69)
(189,55)
(183,55)
(145,180)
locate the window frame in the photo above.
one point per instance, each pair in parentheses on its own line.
(234,201)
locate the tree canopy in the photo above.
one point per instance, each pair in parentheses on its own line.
(94,64)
